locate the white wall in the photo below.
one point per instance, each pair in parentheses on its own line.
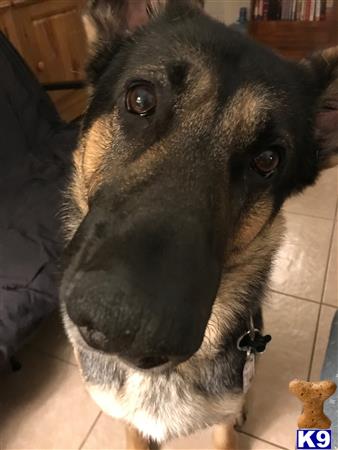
(225,10)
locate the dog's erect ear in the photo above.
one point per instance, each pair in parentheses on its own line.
(324,68)
(105,20)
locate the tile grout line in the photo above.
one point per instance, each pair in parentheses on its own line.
(89,431)
(322,295)
(302,298)
(263,440)
(328,305)
(285,211)
(50,355)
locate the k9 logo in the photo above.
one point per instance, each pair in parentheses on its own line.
(314,439)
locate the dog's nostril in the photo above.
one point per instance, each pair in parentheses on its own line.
(93,337)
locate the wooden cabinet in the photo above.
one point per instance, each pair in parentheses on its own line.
(49,35)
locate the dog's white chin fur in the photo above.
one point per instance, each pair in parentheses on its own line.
(169,417)
(148,425)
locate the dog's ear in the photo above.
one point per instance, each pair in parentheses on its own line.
(106,20)
(109,22)
(323,67)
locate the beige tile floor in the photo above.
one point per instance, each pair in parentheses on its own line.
(44,406)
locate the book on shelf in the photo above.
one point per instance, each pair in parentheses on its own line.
(294,10)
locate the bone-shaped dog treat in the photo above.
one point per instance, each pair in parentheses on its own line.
(313,396)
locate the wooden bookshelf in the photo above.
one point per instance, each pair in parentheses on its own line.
(296,39)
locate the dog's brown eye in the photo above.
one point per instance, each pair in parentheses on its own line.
(266,162)
(141,99)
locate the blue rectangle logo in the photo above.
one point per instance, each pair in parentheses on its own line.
(314,439)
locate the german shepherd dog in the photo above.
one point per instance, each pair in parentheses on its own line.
(193,137)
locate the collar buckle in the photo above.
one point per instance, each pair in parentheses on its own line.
(252,341)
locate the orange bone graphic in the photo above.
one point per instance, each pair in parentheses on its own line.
(313,396)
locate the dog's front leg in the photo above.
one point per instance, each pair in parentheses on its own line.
(225,437)
(135,440)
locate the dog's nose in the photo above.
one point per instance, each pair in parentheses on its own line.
(99,341)
(143,292)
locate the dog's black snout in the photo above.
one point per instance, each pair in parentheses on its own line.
(143,291)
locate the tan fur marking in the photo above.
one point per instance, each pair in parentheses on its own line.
(201,87)
(76,194)
(88,159)
(330,54)
(78,189)
(97,143)
(254,221)
(244,113)
(198,103)
(90,30)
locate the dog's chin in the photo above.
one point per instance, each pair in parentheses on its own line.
(80,345)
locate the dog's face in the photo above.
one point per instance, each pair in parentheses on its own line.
(193,138)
